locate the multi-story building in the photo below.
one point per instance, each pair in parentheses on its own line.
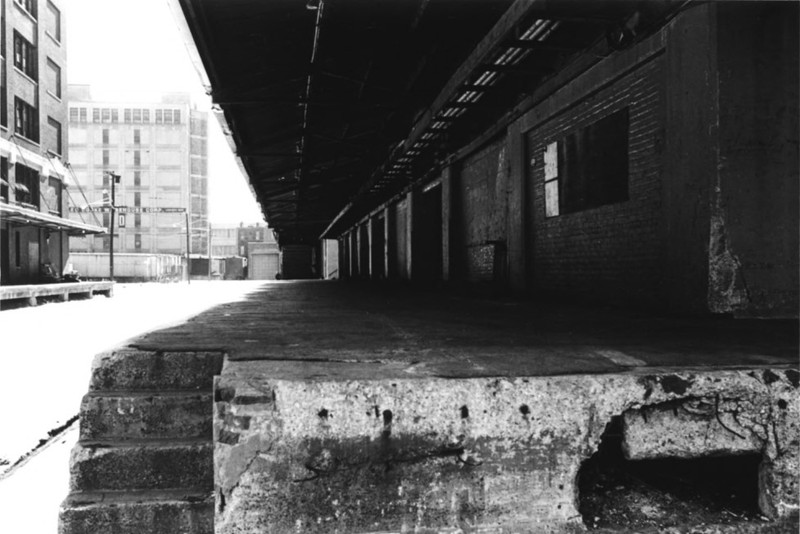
(159,149)
(34,226)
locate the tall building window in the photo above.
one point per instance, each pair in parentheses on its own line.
(4,178)
(176,116)
(105,136)
(53,78)
(105,159)
(127,115)
(146,115)
(53,196)
(83,117)
(73,114)
(137,137)
(137,178)
(106,113)
(114,115)
(27,5)
(53,22)
(137,158)
(137,115)
(26,120)
(96,115)
(24,55)
(137,199)
(27,185)
(159,116)
(55,133)
(3,93)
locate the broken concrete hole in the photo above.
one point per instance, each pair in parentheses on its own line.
(615,492)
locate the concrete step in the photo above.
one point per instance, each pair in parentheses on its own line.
(166,512)
(144,465)
(132,370)
(145,415)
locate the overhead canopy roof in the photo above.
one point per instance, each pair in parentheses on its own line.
(336,105)
(31,217)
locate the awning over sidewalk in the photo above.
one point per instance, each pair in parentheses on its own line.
(20,215)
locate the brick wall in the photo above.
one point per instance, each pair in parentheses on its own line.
(612,252)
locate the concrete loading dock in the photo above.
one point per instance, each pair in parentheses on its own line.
(388,411)
(640,154)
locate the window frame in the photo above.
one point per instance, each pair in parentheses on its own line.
(57,70)
(25,56)
(57,12)
(59,129)
(28,6)
(26,120)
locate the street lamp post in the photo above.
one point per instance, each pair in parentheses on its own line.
(115,178)
(188,250)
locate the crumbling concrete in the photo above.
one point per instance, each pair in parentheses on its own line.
(478,454)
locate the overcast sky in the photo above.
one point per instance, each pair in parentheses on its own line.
(133,49)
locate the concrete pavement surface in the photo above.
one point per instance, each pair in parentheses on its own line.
(400,332)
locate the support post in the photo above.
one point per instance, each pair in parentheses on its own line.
(188,249)
(114,177)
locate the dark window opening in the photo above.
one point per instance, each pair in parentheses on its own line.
(137,158)
(24,55)
(26,120)
(17,255)
(4,185)
(105,158)
(106,136)
(55,131)
(3,95)
(137,178)
(26,190)
(709,490)
(137,137)
(592,166)
(28,5)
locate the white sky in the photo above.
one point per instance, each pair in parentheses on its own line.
(133,48)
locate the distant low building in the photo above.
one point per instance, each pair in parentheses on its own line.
(224,240)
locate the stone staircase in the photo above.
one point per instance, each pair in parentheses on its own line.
(144,461)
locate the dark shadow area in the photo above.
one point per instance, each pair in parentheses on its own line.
(672,492)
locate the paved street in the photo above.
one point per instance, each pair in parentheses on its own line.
(46,373)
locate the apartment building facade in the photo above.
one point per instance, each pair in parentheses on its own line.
(159,149)
(34,224)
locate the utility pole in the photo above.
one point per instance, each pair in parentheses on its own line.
(209,249)
(188,249)
(115,178)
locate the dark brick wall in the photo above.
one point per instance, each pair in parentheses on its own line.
(754,252)
(613,251)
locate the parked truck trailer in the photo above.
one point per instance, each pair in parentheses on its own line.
(128,267)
